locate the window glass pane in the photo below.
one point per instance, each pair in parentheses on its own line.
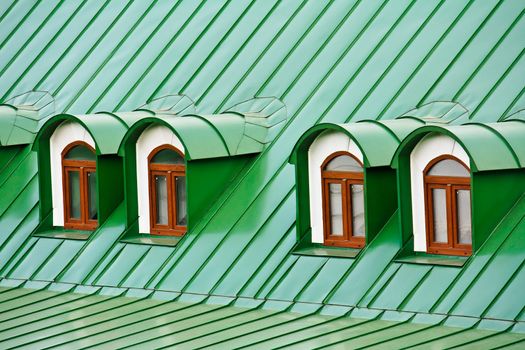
(358,210)
(449,167)
(80,153)
(336,209)
(167,156)
(439,202)
(180,185)
(92,195)
(464,217)
(344,163)
(161,192)
(74,194)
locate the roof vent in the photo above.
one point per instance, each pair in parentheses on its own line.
(22,116)
(264,116)
(439,112)
(518,115)
(171,104)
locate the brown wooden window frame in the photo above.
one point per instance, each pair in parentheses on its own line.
(450,184)
(83,167)
(170,171)
(346,180)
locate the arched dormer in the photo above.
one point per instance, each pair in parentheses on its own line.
(371,145)
(440,196)
(493,157)
(73,179)
(335,174)
(161,182)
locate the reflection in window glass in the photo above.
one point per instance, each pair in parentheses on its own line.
(464,217)
(180,187)
(336,210)
(92,195)
(439,201)
(161,189)
(80,153)
(167,156)
(74,194)
(344,163)
(448,167)
(358,210)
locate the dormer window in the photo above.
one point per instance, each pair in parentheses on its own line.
(161,182)
(448,206)
(441,198)
(79,186)
(167,179)
(343,200)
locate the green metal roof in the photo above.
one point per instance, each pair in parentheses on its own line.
(109,318)
(490,146)
(377,140)
(242,129)
(106,129)
(328,62)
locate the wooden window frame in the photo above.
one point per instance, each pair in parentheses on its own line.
(171,171)
(346,180)
(83,167)
(450,184)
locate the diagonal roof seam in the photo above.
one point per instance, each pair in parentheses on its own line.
(133,57)
(45,48)
(459,53)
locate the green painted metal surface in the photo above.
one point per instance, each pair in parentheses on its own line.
(329,62)
(64,317)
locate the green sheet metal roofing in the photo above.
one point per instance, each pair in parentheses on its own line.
(377,140)
(242,129)
(110,318)
(328,62)
(490,146)
(245,128)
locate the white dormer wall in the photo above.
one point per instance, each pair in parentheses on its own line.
(153,137)
(324,145)
(65,134)
(431,146)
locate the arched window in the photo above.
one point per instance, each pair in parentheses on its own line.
(447,209)
(167,183)
(343,200)
(80,186)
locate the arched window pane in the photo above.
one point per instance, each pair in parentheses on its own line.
(167,156)
(344,163)
(80,152)
(358,210)
(464,217)
(448,167)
